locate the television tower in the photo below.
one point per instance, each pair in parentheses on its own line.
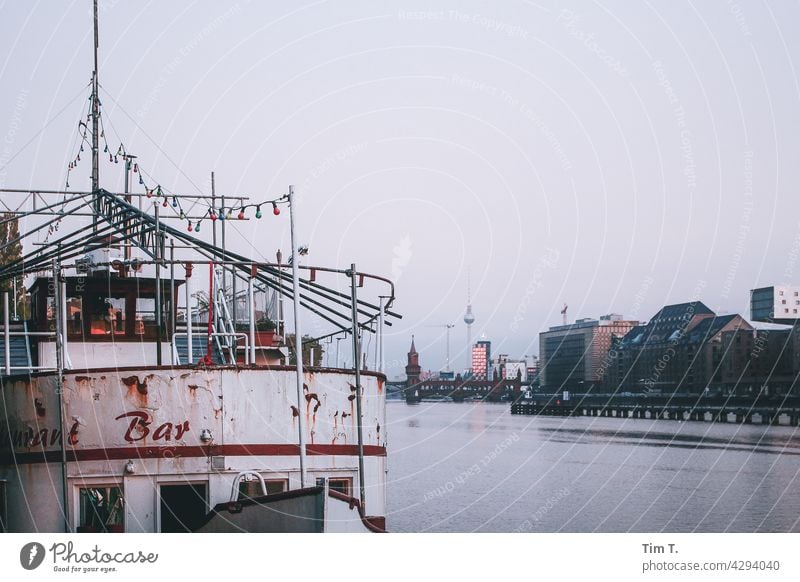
(469,319)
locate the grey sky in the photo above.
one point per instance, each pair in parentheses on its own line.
(613,156)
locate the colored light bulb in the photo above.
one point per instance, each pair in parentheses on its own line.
(258,212)
(241,214)
(275,210)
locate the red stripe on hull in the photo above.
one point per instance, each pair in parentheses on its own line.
(188,452)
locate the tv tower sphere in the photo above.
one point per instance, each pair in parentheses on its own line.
(469,319)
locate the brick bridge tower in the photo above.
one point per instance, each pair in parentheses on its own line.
(413,371)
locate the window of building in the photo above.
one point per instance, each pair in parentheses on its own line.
(783,301)
(343,485)
(183,506)
(102,510)
(3,508)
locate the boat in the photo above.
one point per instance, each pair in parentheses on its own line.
(149,382)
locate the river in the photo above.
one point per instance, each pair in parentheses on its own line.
(475,467)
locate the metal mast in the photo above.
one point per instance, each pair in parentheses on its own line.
(95,123)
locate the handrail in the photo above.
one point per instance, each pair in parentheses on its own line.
(238,478)
(222,334)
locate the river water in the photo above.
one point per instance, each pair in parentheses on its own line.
(475,467)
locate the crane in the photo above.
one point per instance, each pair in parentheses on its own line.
(448,326)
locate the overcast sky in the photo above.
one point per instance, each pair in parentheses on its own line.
(612,156)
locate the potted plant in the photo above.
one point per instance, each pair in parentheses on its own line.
(266,336)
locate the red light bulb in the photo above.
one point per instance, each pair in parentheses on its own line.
(275,210)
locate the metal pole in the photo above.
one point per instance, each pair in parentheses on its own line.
(59,307)
(62,292)
(298,339)
(158,287)
(95,116)
(356,365)
(172,310)
(378,360)
(380,327)
(189,338)
(338,339)
(214,208)
(281,327)
(251,297)
(6,334)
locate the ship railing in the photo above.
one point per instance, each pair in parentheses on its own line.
(8,334)
(223,317)
(215,335)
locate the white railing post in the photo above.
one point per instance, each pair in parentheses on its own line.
(251,298)
(189,347)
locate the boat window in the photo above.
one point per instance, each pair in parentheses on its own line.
(183,507)
(102,510)
(3,508)
(341,484)
(250,489)
(74,317)
(107,315)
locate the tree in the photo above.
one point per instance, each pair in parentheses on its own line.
(308,345)
(10,251)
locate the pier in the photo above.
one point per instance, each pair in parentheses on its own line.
(775,410)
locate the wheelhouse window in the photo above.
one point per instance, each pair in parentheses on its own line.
(107,316)
(102,510)
(145,314)
(74,315)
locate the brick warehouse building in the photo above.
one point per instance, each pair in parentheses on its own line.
(684,348)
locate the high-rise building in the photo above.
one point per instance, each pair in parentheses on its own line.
(481,359)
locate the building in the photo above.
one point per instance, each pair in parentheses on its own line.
(684,348)
(515,368)
(413,369)
(776,304)
(574,356)
(481,359)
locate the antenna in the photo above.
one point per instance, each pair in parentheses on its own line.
(95,124)
(469,319)
(564,315)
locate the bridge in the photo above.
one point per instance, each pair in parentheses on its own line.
(460,390)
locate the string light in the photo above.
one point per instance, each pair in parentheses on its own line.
(241,214)
(258,211)
(275,210)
